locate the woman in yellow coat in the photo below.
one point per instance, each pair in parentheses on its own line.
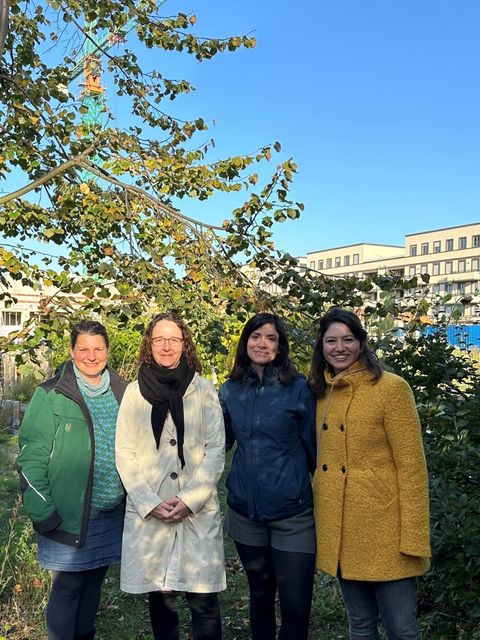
(371,486)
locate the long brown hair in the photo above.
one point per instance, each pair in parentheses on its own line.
(189,351)
(287,371)
(367,357)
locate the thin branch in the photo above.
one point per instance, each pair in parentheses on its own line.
(102,173)
(36,110)
(77,160)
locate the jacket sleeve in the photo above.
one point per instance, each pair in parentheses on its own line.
(36,439)
(204,481)
(307,426)
(229,434)
(140,494)
(403,430)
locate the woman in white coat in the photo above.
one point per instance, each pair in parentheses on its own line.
(170,455)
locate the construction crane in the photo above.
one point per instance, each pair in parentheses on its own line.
(90,65)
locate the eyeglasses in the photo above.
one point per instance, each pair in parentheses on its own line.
(172,342)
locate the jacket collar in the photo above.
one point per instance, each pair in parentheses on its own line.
(351,377)
(191,387)
(65,382)
(270,375)
(354,375)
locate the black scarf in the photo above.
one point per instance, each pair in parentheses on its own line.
(164,388)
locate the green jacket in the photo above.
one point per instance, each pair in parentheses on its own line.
(55,463)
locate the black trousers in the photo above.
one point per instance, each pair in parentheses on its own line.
(206,623)
(289,572)
(73,604)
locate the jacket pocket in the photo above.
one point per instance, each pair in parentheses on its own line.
(379,488)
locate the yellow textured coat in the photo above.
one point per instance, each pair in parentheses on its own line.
(371,486)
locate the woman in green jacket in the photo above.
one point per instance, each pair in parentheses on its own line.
(71,489)
(370,487)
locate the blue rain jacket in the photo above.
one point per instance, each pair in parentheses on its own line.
(273,425)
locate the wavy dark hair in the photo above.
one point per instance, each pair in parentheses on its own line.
(189,351)
(367,356)
(90,327)
(287,370)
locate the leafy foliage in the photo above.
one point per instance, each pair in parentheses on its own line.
(103,200)
(446,384)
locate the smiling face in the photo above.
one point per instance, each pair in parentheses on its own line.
(340,347)
(90,354)
(167,344)
(262,346)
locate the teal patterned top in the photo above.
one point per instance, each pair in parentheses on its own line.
(107,488)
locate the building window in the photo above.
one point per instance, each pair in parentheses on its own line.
(312,264)
(436,289)
(413,250)
(448,287)
(11,318)
(338,261)
(412,271)
(462,242)
(461,266)
(449,244)
(476,241)
(448,267)
(436,268)
(320,265)
(329,263)
(346,261)
(437,246)
(356,258)
(475,264)
(424,268)
(461,288)
(424,248)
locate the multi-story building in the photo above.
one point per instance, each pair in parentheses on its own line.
(14,316)
(451,257)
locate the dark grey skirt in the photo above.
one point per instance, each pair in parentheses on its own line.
(102,546)
(288,534)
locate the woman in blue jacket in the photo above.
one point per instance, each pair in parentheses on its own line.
(269,412)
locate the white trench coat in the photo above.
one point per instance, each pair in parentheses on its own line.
(185,556)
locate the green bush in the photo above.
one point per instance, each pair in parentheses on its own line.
(24,388)
(446,384)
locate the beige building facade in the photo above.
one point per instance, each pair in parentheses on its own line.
(450,256)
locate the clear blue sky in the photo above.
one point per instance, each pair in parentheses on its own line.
(378,101)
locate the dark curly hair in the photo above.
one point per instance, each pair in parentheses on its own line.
(287,371)
(189,351)
(368,357)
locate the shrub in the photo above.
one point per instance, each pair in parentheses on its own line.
(446,384)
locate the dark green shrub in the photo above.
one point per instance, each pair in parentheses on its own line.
(446,384)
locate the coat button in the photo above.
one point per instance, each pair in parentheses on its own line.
(324,467)
(324,426)
(342,428)
(344,469)
(173,442)
(174,475)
